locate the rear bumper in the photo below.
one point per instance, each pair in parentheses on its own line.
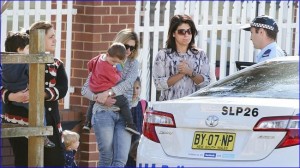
(150,154)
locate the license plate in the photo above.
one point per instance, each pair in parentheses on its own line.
(222,141)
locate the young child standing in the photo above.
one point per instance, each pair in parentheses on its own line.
(139,106)
(15,77)
(71,142)
(105,75)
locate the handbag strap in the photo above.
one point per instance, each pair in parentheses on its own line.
(144,104)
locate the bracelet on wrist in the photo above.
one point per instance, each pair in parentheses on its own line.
(6,94)
(193,74)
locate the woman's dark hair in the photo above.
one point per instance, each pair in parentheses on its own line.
(176,21)
(15,41)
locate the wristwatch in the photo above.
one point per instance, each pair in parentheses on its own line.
(193,74)
(110,93)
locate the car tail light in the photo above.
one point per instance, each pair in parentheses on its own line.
(156,118)
(288,124)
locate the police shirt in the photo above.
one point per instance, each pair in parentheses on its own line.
(270,51)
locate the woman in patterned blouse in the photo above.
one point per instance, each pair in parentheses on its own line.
(180,69)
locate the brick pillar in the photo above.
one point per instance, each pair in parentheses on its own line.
(94,28)
(7,156)
(88,150)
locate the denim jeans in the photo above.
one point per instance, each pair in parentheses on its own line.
(112,138)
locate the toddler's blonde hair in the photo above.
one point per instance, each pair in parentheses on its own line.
(70,137)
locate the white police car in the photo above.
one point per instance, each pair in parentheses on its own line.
(250,118)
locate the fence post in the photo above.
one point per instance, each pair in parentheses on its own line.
(36,101)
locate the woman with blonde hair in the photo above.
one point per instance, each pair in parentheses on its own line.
(109,127)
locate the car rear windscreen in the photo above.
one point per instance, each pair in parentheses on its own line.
(271,80)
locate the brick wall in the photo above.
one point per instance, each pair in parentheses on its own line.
(7,158)
(94,27)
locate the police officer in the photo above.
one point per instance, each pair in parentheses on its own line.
(264,31)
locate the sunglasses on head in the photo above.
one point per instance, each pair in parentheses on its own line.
(132,48)
(184,31)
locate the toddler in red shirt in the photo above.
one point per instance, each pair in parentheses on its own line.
(105,75)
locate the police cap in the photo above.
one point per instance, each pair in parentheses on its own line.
(263,21)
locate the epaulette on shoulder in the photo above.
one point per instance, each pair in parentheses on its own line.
(266,53)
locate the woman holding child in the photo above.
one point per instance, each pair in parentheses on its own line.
(56,87)
(109,126)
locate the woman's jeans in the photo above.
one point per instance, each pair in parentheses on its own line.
(112,138)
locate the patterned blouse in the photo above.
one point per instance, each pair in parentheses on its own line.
(165,66)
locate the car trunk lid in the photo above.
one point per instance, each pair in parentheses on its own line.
(209,129)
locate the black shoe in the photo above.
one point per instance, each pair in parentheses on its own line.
(48,143)
(87,126)
(132,129)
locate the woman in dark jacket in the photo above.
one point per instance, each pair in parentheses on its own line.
(56,87)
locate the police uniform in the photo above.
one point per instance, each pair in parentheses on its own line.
(272,50)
